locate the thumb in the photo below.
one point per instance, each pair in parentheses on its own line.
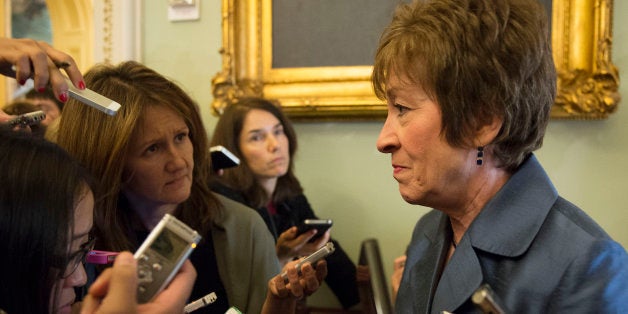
(122,291)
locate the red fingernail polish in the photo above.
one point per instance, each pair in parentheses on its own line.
(63,97)
(81,85)
(22,81)
(41,89)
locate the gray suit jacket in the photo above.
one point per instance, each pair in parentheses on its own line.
(538,252)
(245,253)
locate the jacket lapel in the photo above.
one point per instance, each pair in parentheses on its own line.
(424,262)
(506,226)
(461,277)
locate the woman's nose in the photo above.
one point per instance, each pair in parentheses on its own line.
(77,279)
(176,160)
(387,140)
(273,143)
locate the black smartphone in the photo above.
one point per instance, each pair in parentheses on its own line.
(222,158)
(322,225)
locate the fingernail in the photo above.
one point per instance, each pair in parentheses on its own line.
(81,85)
(22,82)
(124,259)
(41,89)
(63,97)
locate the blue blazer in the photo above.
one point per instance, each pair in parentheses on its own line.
(538,252)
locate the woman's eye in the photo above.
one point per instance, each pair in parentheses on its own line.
(152,148)
(181,136)
(401,109)
(278,131)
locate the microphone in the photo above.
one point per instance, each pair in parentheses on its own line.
(486,301)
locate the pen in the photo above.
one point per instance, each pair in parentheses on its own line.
(58,64)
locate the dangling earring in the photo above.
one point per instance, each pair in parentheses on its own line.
(480,159)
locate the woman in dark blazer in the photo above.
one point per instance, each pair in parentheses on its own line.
(469,86)
(258,133)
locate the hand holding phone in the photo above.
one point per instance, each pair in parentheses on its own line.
(321,225)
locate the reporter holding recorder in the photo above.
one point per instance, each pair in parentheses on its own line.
(153,158)
(26,164)
(46,236)
(262,137)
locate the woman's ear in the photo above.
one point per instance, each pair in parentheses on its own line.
(488,132)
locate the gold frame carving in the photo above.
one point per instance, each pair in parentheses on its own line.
(581,39)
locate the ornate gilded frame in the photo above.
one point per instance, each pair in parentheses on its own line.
(581,40)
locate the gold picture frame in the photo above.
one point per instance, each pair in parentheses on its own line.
(587,83)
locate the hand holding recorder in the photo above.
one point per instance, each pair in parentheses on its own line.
(161,255)
(115,290)
(305,239)
(26,119)
(23,121)
(27,58)
(298,279)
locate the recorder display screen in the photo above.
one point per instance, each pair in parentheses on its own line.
(169,244)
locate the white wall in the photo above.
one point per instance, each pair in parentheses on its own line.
(346,179)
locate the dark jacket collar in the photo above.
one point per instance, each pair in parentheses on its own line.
(506,226)
(511,220)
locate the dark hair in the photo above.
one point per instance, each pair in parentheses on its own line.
(40,187)
(46,94)
(18,107)
(478,59)
(241,178)
(104,149)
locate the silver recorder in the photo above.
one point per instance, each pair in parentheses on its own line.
(162,254)
(26,119)
(321,253)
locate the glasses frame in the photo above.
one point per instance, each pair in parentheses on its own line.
(78,258)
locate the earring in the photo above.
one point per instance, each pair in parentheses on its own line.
(480,159)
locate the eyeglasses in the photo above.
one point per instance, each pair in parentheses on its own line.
(77,258)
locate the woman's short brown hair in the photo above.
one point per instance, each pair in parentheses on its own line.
(478,59)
